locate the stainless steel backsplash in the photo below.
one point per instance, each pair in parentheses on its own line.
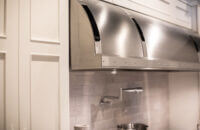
(166,98)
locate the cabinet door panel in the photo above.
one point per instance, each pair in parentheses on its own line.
(44,94)
(173,11)
(43,64)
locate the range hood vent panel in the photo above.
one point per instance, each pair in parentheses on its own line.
(165,40)
(119,36)
(127,40)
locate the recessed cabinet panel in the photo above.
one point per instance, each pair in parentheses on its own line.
(160,6)
(183,13)
(173,11)
(45,20)
(2,17)
(2,92)
(44,93)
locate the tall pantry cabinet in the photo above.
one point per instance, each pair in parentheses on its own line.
(34,65)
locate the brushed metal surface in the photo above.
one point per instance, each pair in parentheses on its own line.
(119,36)
(165,40)
(82,44)
(146,64)
(166,46)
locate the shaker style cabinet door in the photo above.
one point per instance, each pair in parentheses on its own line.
(9,65)
(43,64)
(34,65)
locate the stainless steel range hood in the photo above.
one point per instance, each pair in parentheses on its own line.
(105,36)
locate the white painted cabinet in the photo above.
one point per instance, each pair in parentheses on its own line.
(9,65)
(34,65)
(174,11)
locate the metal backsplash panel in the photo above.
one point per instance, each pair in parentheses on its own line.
(169,101)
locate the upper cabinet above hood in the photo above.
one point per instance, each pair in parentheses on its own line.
(105,36)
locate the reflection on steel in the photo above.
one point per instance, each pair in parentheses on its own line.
(166,41)
(155,35)
(111,99)
(119,36)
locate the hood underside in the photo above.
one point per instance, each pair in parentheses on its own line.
(105,36)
